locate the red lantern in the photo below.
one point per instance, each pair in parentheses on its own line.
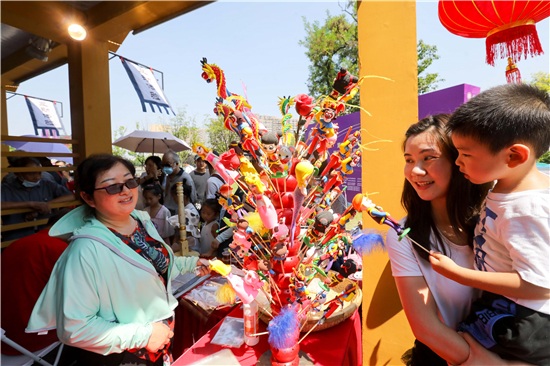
(509,26)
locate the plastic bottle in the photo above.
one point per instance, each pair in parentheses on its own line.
(250,312)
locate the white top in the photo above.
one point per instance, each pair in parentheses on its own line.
(192,219)
(513,234)
(213,185)
(452,299)
(206,236)
(161,221)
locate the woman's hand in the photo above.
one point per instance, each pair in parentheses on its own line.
(443,265)
(160,336)
(203,268)
(481,356)
(214,244)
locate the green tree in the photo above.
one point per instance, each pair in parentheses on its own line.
(219,137)
(541,80)
(426,54)
(334,44)
(185,127)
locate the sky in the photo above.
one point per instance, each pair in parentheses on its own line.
(255,43)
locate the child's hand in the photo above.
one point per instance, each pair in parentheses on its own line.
(215,244)
(443,264)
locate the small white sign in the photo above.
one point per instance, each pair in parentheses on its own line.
(147,84)
(45,114)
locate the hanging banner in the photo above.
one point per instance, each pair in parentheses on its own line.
(44,116)
(147,87)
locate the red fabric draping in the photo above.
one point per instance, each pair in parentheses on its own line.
(26,268)
(339,345)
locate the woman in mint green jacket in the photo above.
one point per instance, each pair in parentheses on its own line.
(110,292)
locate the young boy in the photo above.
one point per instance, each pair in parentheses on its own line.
(499,135)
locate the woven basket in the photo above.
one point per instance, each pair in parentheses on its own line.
(338,316)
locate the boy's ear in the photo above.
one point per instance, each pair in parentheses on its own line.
(518,154)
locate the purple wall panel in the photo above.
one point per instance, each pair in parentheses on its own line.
(441,101)
(446,100)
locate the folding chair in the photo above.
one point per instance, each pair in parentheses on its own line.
(29,357)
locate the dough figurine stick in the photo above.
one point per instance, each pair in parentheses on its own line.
(257,334)
(277,290)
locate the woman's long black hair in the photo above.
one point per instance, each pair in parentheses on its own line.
(464,199)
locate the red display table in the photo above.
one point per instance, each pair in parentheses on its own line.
(339,345)
(192,322)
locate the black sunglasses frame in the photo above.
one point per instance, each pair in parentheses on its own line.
(119,187)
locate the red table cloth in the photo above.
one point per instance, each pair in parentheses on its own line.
(339,345)
(191,324)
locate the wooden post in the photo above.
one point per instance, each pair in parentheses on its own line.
(387,47)
(183,230)
(90,97)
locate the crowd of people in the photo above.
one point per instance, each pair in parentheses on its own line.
(474,201)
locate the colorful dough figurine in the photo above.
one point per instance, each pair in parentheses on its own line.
(231,202)
(241,244)
(265,208)
(270,142)
(361,203)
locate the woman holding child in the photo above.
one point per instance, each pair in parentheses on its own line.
(500,134)
(110,292)
(442,208)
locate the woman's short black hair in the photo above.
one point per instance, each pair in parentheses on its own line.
(156,160)
(156,190)
(94,165)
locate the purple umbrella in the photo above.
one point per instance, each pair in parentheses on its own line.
(45,147)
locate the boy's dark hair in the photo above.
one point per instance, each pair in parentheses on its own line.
(91,167)
(212,204)
(505,115)
(464,198)
(156,189)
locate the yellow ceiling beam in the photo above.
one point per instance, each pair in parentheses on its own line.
(107,21)
(48,19)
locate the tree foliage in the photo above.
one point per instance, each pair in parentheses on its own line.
(334,44)
(426,55)
(219,137)
(185,127)
(541,80)
(545,158)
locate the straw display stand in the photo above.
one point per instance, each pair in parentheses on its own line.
(338,316)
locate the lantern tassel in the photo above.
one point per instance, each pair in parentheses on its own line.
(512,72)
(513,42)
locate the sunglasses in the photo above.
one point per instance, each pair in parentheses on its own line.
(119,187)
